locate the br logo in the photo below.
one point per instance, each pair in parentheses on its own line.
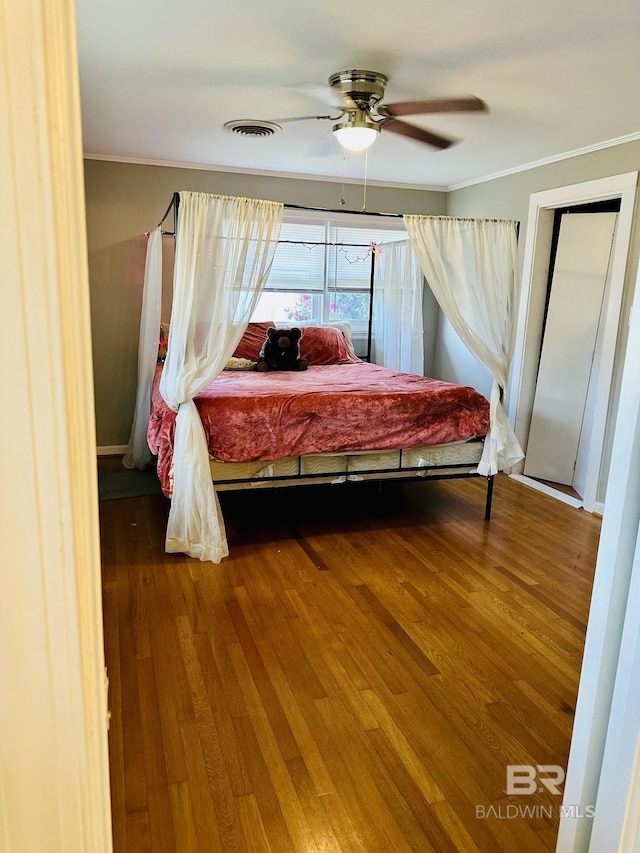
(527,778)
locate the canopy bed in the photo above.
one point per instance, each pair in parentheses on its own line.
(343,419)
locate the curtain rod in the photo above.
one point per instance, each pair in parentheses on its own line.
(176,196)
(168,210)
(292,207)
(307,243)
(399,215)
(327,243)
(176,200)
(351,212)
(460,218)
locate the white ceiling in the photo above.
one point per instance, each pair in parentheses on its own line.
(159,80)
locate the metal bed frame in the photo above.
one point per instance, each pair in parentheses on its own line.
(379,474)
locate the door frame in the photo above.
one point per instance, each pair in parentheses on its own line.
(537,252)
(602,770)
(54,773)
(559,436)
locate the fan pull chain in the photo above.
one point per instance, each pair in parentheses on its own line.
(366,166)
(344,160)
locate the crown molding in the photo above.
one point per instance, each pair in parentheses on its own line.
(577,152)
(207,167)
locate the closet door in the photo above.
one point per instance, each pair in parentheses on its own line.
(560,414)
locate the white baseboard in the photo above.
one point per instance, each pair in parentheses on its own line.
(597,508)
(112,450)
(547,490)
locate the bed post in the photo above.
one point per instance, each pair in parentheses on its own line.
(371,285)
(487,506)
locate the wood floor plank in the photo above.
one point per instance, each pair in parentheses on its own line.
(319,644)
(254,833)
(197,796)
(224,803)
(185,833)
(456,832)
(350,809)
(406,799)
(167,656)
(271,814)
(413,766)
(135,782)
(314,807)
(269,702)
(292,811)
(297,723)
(214,683)
(276,627)
(138,835)
(401,636)
(357,753)
(355,676)
(173,703)
(158,802)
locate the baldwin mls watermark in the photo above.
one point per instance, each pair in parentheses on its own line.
(525,780)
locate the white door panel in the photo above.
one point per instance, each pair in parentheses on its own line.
(575,303)
(588,437)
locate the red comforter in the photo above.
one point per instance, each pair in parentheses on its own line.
(250,416)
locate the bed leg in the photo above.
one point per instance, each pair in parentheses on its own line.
(487,506)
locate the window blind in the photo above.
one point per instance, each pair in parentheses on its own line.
(349,267)
(299,265)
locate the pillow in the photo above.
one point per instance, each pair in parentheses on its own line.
(239,364)
(325,345)
(252,340)
(343,325)
(345,328)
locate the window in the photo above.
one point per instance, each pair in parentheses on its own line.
(322,269)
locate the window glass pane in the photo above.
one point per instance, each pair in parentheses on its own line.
(350,306)
(298,265)
(302,272)
(288,307)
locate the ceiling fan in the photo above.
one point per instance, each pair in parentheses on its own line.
(359,95)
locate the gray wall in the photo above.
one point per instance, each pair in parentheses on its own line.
(508,198)
(123,201)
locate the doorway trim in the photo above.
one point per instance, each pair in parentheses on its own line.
(54,773)
(606,724)
(537,251)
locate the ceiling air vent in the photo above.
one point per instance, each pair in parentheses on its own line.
(248,127)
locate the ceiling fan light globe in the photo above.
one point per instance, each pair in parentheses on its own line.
(356,138)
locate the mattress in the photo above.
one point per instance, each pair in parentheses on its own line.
(341,409)
(455,458)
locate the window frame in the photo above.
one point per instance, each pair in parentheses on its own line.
(332,222)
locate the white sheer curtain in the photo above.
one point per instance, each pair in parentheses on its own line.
(224,251)
(471,264)
(138,454)
(398,334)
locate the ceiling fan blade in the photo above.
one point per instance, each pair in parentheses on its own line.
(304,118)
(467,103)
(318,93)
(417,133)
(324,146)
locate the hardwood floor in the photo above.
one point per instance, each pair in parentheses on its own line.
(356,676)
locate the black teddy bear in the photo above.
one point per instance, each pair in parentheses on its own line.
(281,351)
